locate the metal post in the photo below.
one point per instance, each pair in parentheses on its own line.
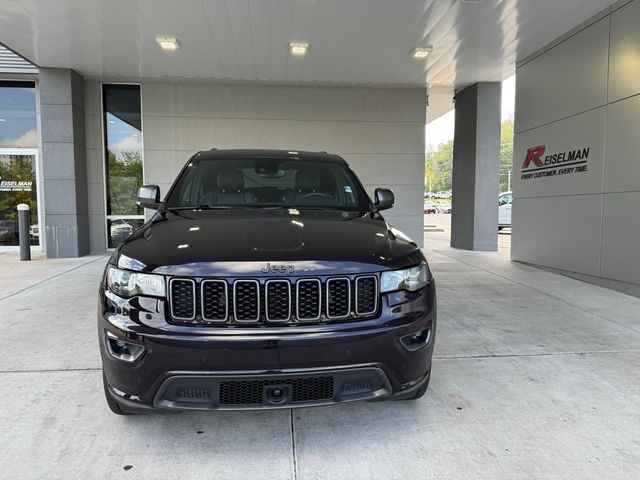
(23,231)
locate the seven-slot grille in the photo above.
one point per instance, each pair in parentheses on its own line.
(249,301)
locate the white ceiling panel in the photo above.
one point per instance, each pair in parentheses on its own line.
(359,42)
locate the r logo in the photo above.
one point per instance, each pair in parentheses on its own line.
(533,155)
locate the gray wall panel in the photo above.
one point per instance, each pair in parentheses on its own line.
(568,79)
(622,168)
(559,232)
(624,69)
(272,102)
(620,234)
(191,134)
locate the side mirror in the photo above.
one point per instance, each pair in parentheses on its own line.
(384,199)
(149,197)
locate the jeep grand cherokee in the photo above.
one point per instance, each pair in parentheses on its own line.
(265,279)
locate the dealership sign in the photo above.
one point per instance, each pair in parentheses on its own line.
(539,164)
(15,185)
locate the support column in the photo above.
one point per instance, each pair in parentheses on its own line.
(476,168)
(64,170)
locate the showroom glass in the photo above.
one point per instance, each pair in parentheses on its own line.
(18,115)
(122,120)
(18,141)
(17,185)
(261,182)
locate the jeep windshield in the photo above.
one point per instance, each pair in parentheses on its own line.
(266,183)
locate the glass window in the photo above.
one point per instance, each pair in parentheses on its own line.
(267,182)
(17,185)
(123,151)
(18,115)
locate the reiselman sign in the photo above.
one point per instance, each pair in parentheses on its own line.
(538,165)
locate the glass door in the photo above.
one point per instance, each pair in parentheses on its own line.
(18,185)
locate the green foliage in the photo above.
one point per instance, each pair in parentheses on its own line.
(18,168)
(438,162)
(438,167)
(506,154)
(124,178)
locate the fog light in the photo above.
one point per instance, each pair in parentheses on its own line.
(416,340)
(121,349)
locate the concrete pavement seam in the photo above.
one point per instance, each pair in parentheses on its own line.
(293,446)
(53,370)
(541,354)
(51,278)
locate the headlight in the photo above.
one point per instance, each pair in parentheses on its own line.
(128,284)
(411,279)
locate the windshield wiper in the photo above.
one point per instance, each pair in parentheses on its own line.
(208,206)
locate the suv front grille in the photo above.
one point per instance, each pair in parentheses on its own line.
(278,300)
(309,305)
(183,298)
(214,298)
(246,300)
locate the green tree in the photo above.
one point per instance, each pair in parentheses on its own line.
(506,154)
(438,166)
(124,174)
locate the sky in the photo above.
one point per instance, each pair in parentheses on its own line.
(441,129)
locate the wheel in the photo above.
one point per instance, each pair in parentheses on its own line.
(115,406)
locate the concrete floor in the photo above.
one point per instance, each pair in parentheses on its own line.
(535,376)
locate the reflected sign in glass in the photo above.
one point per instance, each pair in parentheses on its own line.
(17,185)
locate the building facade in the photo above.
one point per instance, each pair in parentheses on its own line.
(576,167)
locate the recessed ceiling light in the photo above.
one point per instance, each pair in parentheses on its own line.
(168,43)
(421,52)
(2,120)
(298,49)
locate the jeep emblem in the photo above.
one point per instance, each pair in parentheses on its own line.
(283,268)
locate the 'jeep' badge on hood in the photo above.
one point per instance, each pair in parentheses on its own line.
(283,268)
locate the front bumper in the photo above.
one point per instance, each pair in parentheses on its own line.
(215,368)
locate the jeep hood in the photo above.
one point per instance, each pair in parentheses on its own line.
(239,242)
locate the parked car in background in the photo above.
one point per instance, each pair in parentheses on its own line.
(504,210)
(430,208)
(8,230)
(442,195)
(120,230)
(443,207)
(34,232)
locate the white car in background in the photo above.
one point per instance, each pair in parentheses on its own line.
(443,207)
(505,201)
(442,194)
